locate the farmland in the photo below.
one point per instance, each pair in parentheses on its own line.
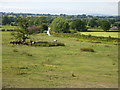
(59,67)
(64,45)
(102,34)
(7,27)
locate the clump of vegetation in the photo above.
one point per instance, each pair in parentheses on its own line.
(95,42)
(22,73)
(87,49)
(105,25)
(33,29)
(22,67)
(60,25)
(15,50)
(78,25)
(48,44)
(3,30)
(28,54)
(107,46)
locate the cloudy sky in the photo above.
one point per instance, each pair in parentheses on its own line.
(107,7)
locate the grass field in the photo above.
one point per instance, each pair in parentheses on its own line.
(59,67)
(103,34)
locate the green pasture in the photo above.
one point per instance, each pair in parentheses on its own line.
(101,34)
(7,27)
(59,67)
(101,30)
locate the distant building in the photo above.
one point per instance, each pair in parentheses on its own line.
(114,27)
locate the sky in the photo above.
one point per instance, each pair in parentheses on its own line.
(70,7)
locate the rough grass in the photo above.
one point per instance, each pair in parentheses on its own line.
(59,67)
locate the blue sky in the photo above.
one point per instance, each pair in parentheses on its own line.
(107,7)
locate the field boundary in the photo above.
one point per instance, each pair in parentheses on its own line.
(88,37)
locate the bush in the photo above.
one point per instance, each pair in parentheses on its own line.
(43,27)
(26,53)
(87,49)
(48,44)
(3,30)
(33,29)
(15,50)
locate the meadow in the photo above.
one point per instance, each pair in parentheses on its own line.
(102,34)
(59,67)
(7,27)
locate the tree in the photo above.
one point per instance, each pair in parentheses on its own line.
(22,32)
(105,25)
(60,25)
(6,20)
(117,24)
(93,23)
(34,29)
(43,27)
(78,25)
(39,20)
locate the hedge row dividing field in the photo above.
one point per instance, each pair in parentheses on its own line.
(7,28)
(79,64)
(89,37)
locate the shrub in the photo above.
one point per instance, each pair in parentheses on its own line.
(87,49)
(33,29)
(15,50)
(43,27)
(3,30)
(48,44)
(26,53)
(29,54)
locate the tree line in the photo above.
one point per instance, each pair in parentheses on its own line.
(33,25)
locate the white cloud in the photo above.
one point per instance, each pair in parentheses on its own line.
(7,1)
(67,6)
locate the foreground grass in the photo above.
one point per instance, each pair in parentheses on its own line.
(63,66)
(103,34)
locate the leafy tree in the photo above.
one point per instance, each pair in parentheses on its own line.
(39,20)
(60,25)
(49,19)
(43,27)
(34,29)
(78,25)
(22,32)
(117,24)
(93,23)
(85,21)
(105,25)
(6,20)
(112,21)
